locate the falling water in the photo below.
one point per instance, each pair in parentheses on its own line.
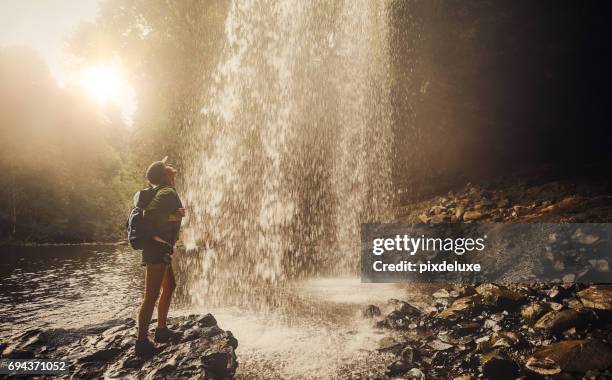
(294,152)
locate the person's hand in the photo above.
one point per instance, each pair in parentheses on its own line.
(177,215)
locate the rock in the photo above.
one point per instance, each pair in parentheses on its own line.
(405,309)
(499,297)
(503,203)
(424,218)
(371,311)
(415,374)
(578,355)
(437,210)
(107,350)
(442,293)
(439,219)
(459,211)
(439,345)
(543,366)
(558,321)
(397,367)
(568,278)
(584,238)
(600,265)
(466,328)
(104,355)
(219,363)
(505,339)
(410,355)
(207,321)
(597,297)
(498,368)
(472,216)
(533,312)
(461,307)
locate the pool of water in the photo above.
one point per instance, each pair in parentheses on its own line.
(309,329)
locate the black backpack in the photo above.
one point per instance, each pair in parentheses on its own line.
(138,232)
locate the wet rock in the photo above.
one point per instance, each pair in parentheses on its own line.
(371,311)
(410,355)
(597,297)
(104,355)
(107,350)
(439,345)
(397,367)
(415,374)
(578,355)
(505,339)
(584,238)
(466,328)
(405,309)
(559,321)
(498,297)
(494,366)
(442,293)
(439,219)
(207,321)
(600,265)
(461,308)
(469,216)
(543,366)
(218,363)
(533,312)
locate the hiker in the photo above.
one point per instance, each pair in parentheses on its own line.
(162,215)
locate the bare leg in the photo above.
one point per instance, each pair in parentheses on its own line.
(168,285)
(153,281)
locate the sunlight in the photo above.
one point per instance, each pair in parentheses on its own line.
(106,84)
(102,82)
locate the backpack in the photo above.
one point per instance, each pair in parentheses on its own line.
(138,233)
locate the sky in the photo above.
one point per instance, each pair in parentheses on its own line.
(44,25)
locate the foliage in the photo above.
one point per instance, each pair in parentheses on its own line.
(65,165)
(70,168)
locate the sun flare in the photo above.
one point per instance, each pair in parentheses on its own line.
(102,82)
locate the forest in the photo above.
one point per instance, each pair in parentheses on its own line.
(70,167)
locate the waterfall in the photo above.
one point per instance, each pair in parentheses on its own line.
(295,148)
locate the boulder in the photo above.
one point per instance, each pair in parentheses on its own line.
(371,311)
(472,215)
(558,321)
(499,297)
(106,350)
(578,355)
(461,308)
(533,312)
(495,366)
(597,297)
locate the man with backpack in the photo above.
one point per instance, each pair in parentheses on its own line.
(153,227)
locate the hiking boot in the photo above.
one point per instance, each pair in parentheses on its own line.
(144,348)
(165,335)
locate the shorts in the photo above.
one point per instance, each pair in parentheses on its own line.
(156,252)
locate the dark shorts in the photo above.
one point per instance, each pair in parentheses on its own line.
(156,252)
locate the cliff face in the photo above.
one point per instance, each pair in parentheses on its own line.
(481,87)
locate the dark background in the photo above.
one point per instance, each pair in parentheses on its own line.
(490,88)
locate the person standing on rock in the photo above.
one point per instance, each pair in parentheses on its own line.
(163,217)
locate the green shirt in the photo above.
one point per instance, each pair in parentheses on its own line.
(165,202)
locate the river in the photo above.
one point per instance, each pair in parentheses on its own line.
(307,329)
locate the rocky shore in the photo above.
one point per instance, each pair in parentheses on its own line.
(492,331)
(204,350)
